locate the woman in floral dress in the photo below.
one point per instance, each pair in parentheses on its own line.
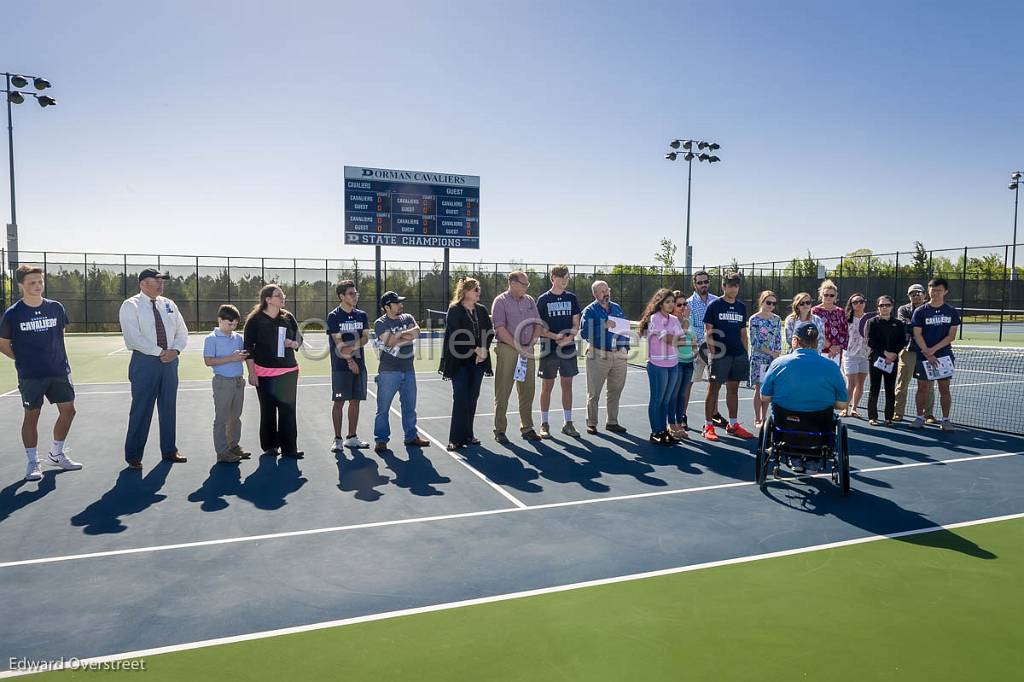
(765,334)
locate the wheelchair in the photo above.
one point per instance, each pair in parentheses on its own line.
(820,436)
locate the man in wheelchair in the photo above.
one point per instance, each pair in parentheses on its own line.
(804,387)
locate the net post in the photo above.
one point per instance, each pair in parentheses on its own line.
(963,293)
(85,291)
(1002,304)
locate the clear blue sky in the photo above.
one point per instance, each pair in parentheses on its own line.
(223,127)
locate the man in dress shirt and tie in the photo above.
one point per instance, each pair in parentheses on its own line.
(155,334)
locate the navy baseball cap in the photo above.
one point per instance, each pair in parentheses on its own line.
(808,331)
(153,272)
(390,297)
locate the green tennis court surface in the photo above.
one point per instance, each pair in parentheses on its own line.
(944,605)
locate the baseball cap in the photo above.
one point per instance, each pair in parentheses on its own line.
(915,289)
(807,330)
(153,272)
(390,297)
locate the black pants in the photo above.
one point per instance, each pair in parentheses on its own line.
(465,393)
(877,378)
(277,412)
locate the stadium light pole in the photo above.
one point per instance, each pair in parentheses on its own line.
(1015,180)
(15,95)
(703,153)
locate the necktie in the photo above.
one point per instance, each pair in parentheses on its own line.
(161,332)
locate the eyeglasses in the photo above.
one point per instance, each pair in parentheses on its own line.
(519,281)
(770,302)
(885,305)
(277,295)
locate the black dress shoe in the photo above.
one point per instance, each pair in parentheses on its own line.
(135,464)
(591,429)
(615,428)
(298,454)
(176,457)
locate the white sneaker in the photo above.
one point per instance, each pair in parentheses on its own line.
(34,472)
(63,462)
(338,446)
(354,442)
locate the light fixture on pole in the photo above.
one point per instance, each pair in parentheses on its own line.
(1015,180)
(688,155)
(15,95)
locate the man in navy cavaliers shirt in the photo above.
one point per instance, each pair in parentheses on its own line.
(348,329)
(934,325)
(32,334)
(560,311)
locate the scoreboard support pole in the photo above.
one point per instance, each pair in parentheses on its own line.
(376,270)
(447,279)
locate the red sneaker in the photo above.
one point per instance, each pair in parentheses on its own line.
(709,433)
(738,431)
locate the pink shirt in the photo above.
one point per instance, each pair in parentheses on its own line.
(515,315)
(660,353)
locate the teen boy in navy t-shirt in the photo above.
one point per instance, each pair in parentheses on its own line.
(32,334)
(935,325)
(348,329)
(725,333)
(560,311)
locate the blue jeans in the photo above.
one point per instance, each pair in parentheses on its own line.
(154,383)
(661,380)
(388,384)
(677,405)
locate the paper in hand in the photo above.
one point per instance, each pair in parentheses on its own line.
(520,373)
(620,326)
(881,364)
(282,334)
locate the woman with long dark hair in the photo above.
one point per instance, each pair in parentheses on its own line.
(663,332)
(466,358)
(855,360)
(272,337)
(685,351)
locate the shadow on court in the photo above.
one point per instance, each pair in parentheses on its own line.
(13,498)
(265,488)
(132,493)
(360,475)
(872,513)
(416,474)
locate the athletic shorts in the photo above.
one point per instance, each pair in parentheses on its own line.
(730,368)
(55,389)
(919,372)
(555,364)
(855,364)
(349,386)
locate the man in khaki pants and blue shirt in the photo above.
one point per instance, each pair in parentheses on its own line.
(517,327)
(606,357)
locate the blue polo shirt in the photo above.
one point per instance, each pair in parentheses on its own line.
(220,345)
(804,381)
(593,330)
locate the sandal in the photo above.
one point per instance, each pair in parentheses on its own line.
(452,447)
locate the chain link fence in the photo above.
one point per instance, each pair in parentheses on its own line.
(92,285)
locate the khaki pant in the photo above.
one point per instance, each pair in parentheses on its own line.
(908,360)
(504,378)
(699,368)
(610,366)
(228,396)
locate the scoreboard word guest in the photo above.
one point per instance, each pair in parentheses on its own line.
(410,208)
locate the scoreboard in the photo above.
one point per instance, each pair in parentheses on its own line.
(411,208)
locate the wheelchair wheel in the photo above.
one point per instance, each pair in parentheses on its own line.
(843,457)
(762,461)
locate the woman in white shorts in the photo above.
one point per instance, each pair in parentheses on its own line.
(855,359)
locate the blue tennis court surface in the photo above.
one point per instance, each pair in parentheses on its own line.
(128,561)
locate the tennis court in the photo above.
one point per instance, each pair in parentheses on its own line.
(600,558)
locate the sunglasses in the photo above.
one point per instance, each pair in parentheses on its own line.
(770,302)
(828,295)
(859,301)
(801,303)
(703,282)
(885,305)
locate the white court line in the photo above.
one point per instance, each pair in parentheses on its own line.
(468,515)
(433,608)
(990,383)
(504,493)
